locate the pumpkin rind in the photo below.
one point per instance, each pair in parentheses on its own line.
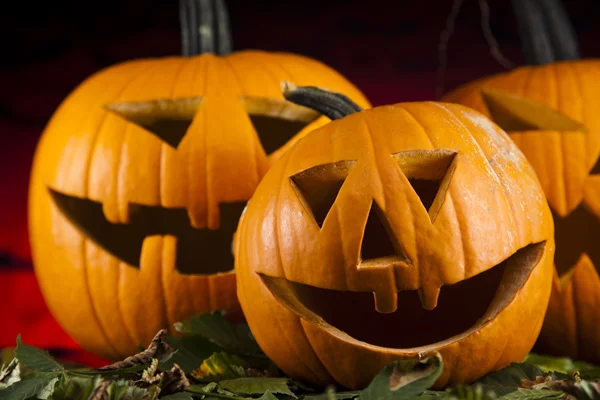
(493,193)
(564,162)
(89,152)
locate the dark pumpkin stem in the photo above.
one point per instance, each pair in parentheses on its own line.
(546,32)
(331,104)
(561,30)
(204,27)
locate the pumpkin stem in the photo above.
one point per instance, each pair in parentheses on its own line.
(331,104)
(546,32)
(204,27)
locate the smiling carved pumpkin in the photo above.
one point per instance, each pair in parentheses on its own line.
(550,110)
(139,180)
(414,227)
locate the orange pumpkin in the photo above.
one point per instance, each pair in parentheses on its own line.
(550,111)
(392,233)
(139,180)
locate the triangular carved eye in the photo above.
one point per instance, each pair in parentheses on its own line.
(276,121)
(318,187)
(429,172)
(168,119)
(515,113)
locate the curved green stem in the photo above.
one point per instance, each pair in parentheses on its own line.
(204,27)
(331,104)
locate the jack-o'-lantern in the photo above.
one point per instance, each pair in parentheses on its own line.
(550,110)
(392,233)
(141,175)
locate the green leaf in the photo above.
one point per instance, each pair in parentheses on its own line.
(74,387)
(461,392)
(220,366)
(331,394)
(29,386)
(564,365)
(35,359)
(404,379)
(529,394)
(203,389)
(48,389)
(191,352)
(121,390)
(268,396)
(178,396)
(214,327)
(509,379)
(250,386)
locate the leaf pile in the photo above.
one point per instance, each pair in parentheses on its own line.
(214,359)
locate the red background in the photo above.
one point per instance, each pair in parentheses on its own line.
(387,48)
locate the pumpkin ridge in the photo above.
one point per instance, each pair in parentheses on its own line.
(90,157)
(123,212)
(468,249)
(118,264)
(425,135)
(121,194)
(93,307)
(282,181)
(379,183)
(500,180)
(256,146)
(163,285)
(312,347)
(267,63)
(583,113)
(562,183)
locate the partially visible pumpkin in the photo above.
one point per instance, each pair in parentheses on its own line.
(392,233)
(141,175)
(550,110)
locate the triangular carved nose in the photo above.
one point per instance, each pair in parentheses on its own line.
(379,244)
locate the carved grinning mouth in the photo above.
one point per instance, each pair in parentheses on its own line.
(199,251)
(462,309)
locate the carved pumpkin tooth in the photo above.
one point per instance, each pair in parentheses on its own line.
(429,297)
(386,301)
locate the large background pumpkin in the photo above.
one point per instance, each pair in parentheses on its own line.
(141,175)
(550,110)
(412,228)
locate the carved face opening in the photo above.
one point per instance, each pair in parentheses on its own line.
(200,250)
(577,226)
(400,319)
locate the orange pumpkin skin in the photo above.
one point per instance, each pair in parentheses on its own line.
(89,152)
(491,206)
(565,164)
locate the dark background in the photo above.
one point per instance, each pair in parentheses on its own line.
(389,49)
